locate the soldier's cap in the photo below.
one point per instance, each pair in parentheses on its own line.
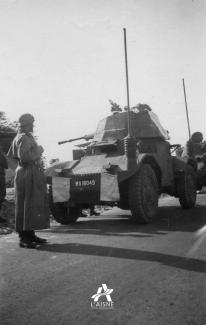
(26,119)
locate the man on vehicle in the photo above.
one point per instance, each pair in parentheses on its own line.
(193,146)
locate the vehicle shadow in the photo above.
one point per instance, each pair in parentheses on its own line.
(190,264)
(169,218)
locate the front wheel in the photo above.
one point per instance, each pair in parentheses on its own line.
(186,188)
(143,194)
(65,215)
(61,213)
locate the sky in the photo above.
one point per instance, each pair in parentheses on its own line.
(62,60)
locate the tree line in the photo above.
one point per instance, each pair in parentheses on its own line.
(7,131)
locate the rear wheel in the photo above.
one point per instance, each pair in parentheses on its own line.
(186,188)
(143,194)
(61,213)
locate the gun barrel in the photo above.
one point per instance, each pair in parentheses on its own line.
(62,142)
(85,137)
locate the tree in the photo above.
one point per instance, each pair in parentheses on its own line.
(7,131)
(5,124)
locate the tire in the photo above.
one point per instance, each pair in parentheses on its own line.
(186,189)
(61,213)
(143,194)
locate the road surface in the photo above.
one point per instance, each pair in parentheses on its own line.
(157,271)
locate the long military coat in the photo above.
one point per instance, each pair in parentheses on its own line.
(31,205)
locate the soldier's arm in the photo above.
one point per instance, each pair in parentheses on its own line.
(3,161)
(189,150)
(28,151)
(203,147)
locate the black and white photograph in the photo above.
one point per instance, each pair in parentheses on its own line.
(102,162)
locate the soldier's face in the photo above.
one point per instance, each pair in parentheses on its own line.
(31,127)
(27,128)
(198,138)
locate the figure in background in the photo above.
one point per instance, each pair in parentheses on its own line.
(193,146)
(31,206)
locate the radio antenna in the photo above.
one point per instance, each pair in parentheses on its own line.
(127,84)
(188,122)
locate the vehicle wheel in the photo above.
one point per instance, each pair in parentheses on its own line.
(143,194)
(61,213)
(186,189)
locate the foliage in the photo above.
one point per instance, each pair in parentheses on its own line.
(43,163)
(7,131)
(5,124)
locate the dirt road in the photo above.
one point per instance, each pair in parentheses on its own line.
(157,271)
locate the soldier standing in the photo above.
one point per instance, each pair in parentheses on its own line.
(31,206)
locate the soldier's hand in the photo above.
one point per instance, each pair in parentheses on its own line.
(41,150)
(203,147)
